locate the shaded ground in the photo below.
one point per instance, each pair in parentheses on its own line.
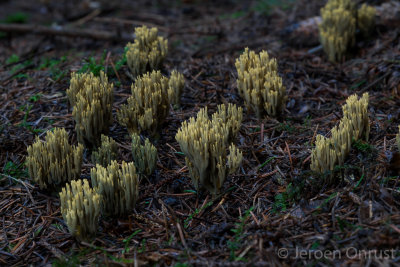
(273,205)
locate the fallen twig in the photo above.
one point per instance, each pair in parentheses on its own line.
(38,29)
(130,22)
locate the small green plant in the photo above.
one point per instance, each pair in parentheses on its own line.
(209,38)
(35,97)
(10,247)
(58,226)
(51,62)
(315,245)
(343,224)
(15,170)
(96,66)
(358,182)
(176,43)
(325,202)
(357,85)
(26,109)
(386,180)
(53,66)
(122,61)
(255,130)
(170,240)
(285,199)
(307,121)
(17,67)
(78,259)
(93,66)
(286,127)
(128,239)
(73,260)
(238,231)
(49,121)
(12,59)
(196,212)
(37,231)
(266,162)
(182,264)
(280,203)
(17,17)
(266,6)
(22,76)
(142,246)
(25,124)
(362,146)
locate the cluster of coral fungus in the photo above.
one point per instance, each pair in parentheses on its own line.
(329,152)
(340,21)
(207,143)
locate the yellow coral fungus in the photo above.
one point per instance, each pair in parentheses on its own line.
(106,152)
(91,98)
(340,19)
(119,187)
(175,88)
(205,142)
(55,161)
(338,28)
(329,152)
(229,116)
(147,52)
(356,111)
(80,208)
(259,83)
(345,4)
(148,105)
(144,156)
(366,19)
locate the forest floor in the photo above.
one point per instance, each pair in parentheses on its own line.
(267,213)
